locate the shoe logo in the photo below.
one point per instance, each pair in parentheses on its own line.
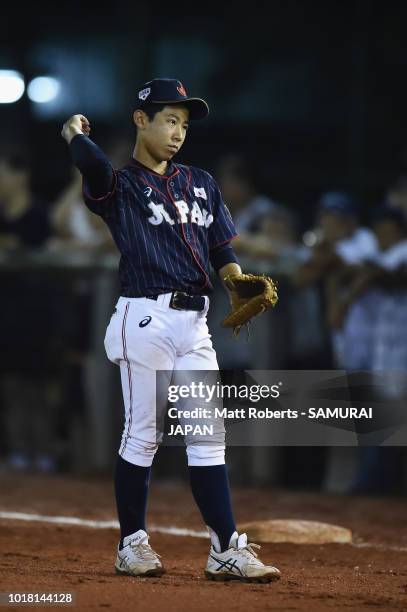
(144,321)
(147,191)
(228,564)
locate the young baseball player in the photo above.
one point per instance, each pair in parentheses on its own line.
(169,223)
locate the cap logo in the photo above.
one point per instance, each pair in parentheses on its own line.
(181,90)
(144,93)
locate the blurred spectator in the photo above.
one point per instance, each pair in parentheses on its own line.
(296,327)
(337,241)
(27,314)
(357,296)
(336,245)
(248,207)
(23,220)
(340,245)
(384,282)
(396,196)
(276,235)
(74,226)
(376,301)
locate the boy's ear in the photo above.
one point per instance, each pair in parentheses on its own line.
(140,119)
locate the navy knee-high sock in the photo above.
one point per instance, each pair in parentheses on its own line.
(210,488)
(131,488)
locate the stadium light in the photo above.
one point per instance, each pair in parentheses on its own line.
(11,86)
(43,89)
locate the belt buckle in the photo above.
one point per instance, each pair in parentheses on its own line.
(175,295)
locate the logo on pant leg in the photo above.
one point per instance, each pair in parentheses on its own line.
(144,321)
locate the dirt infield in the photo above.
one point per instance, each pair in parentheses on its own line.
(368,575)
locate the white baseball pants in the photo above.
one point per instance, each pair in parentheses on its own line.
(145,336)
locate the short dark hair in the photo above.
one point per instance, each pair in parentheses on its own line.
(152,108)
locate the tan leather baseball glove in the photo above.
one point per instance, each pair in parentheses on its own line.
(251,295)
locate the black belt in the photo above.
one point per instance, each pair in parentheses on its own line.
(184,301)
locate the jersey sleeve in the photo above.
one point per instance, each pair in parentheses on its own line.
(102,205)
(222,230)
(99,177)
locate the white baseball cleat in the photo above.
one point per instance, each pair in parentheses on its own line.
(137,558)
(238,562)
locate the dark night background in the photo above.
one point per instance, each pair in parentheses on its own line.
(312,93)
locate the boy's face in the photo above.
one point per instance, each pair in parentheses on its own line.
(165,134)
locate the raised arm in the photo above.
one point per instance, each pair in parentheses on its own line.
(90,160)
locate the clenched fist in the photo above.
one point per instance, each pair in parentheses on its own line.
(77,124)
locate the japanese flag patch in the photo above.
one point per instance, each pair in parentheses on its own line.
(200,193)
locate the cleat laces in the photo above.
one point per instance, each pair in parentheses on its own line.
(144,552)
(248,551)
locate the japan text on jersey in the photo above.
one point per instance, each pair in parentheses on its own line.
(164,227)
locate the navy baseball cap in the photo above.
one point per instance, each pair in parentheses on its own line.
(171,91)
(339,202)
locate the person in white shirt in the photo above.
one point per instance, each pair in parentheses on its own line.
(377,300)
